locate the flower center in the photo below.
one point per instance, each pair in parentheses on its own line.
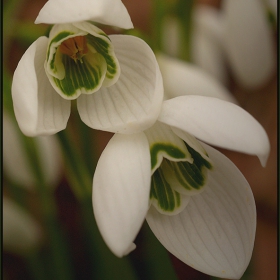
(75,47)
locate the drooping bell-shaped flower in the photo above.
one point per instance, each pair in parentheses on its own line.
(21,233)
(248,39)
(207,48)
(115,79)
(238,35)
(14,155)
(197,203)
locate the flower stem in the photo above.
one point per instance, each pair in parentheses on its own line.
(36,266)
(77,171)
(184,10)
(61,266)
(104,264)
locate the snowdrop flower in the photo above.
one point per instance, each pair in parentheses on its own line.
(207,44)
(14,154)
(197,203)
(115,79)
(240,34)
(21,233)
(182,78)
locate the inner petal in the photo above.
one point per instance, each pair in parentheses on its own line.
(163,197)
(165,144)
(98,40)
(81,75)
(187,178)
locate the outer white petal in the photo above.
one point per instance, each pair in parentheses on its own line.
(180,78)
(21,232)
(110,12)
(133,103)
(215,233)
(218,123)
(207,48)
(248,41)
(38,108)
(121,188)
(15,162)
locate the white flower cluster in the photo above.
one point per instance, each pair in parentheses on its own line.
(195,200)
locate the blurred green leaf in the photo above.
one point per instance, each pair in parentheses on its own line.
(27,32)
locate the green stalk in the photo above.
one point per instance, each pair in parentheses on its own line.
(59,259)
(159,10)
(184,10)
(104,265)
(77,171)
(36,266)
(152,261)
(11,8)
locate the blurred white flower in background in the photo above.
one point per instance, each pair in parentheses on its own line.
(182,78)
(16,163)
(21,232)
(240,37)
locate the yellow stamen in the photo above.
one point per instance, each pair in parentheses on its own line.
(75,47)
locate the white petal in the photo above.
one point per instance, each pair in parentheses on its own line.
(21,232)
(182,78)
(248,41)
(121,188)
(133,103)
(15,162)
(110,12)
(215,233)
(218,123)
(207,48)
(38,108)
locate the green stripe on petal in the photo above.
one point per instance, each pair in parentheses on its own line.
(187,178)
(58,34)
(101,43)
(106,50)
(84,76)
(164,198)
(198,159)
(165,144)
(167,149)
(56,41)
(192,142)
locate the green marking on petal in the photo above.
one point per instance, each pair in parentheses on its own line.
(105,48)
(167,198)
(198,159)
(190,176)
(59,37)
(85,76)
(169,149)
